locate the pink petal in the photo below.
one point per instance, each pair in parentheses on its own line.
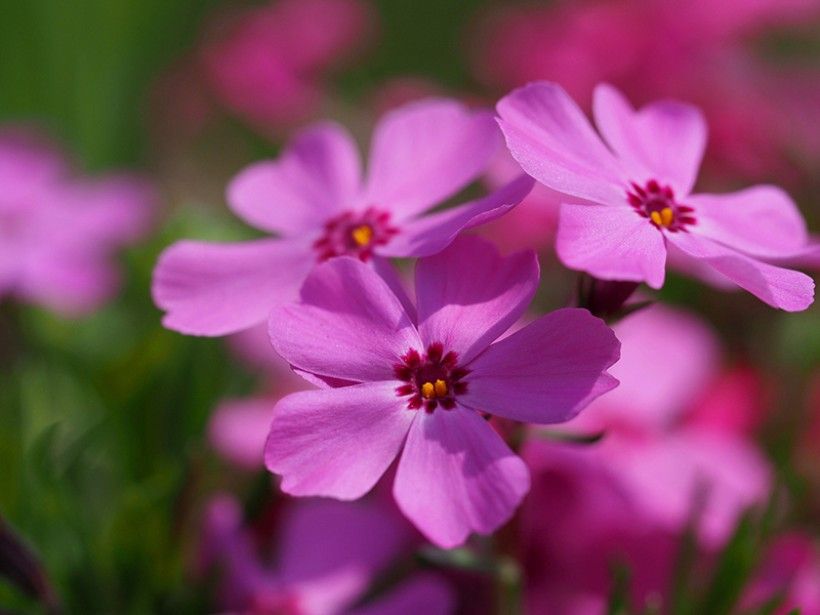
(469,294)
(427,151)
(238,430)
(553,141)
(347,324)
(431,234)
(336,442)
(457,476)
(663,141)
(317,176)
(215,289)
(781,288)
(611,243)
(547,371)
(424,593)
(761,221)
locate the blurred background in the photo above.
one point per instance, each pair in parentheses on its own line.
(122,443)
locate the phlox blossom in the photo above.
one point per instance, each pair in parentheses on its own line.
(421,387)
(315,198)
(630,205)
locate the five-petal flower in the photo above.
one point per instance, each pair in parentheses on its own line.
(422,389)
(636,205)
(315,198)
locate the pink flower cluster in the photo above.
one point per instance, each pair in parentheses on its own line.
(428,399)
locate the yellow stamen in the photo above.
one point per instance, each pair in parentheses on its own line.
(428,391)
(441,388)
(362,234)
(666,216)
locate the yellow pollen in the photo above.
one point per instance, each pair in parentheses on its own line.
(362,234)
(441,388)
(664,217)
(428,391)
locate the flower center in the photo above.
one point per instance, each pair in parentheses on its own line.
(657,203)
(354,234)
(432,379)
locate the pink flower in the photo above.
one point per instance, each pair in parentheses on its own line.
(327,555)
(268,63)
(660,447)
(637,206)
(422,386)
(314,196)
(58,233)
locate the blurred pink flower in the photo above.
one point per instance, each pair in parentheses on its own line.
(638,207)
(58,233)
(627,499)
(673,429)
(268,64)
(325,556)
(314,195)
(697,49)
(419,391)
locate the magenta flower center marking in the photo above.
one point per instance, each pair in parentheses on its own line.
(355,234)
(657,203)
(433,379)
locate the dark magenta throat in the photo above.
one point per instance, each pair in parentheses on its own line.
(657,203)
(432,379)
(355,234)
